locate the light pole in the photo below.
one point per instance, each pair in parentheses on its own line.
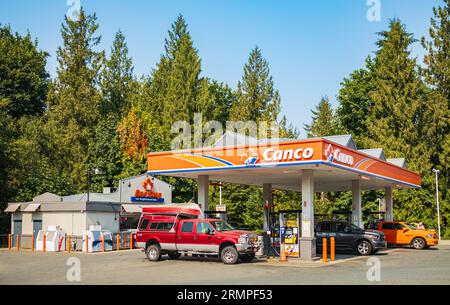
(436,173)
(96,171)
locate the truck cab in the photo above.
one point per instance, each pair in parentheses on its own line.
(160,234)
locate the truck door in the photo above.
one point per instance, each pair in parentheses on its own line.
(389,232)
(404,234)
(205,237)
(345,238)
(185,236)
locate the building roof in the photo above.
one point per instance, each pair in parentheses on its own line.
(399,162)
(375,152)
(344,140)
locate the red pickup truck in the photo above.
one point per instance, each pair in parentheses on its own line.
(176,231)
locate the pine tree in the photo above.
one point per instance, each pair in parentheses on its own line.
(24,79)
(117,77)
(324,122)
(397,116)
(437,76)
(74,100)
(257,99)
(177,90)
(355,103)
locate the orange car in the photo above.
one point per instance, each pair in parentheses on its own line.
(401,233)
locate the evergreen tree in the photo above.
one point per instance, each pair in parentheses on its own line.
(74,99)
(437,76)
(257,99)
(355,103)
(397,116)
(117,76)
(23,78)
(324,122)
(177,91)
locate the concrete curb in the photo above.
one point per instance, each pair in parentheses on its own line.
(273,262)
(444,242)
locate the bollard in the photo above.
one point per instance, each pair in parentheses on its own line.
(9,242)
(131,241)
(32,242)
(332,249)
(118,242)
(283,257)
(103,243)
(87,244)
(324,250)
(44,242)
(68,244)
(18,242)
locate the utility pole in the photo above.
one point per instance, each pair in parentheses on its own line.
(436,173)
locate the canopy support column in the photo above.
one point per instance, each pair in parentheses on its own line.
(308,240)
(389,204)
(203,192)
(267,203)
(356,204)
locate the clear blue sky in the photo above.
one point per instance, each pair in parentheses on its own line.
(310,45)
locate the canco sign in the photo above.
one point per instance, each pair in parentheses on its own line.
(335,154)
(271,154)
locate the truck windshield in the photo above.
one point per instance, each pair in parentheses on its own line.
(221,226)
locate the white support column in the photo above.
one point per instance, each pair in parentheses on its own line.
(307,241)
(356,204)
(267,200)
(203,192)
(389,204)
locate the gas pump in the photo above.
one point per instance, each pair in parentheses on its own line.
(289,222)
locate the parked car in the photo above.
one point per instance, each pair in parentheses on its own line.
(175,235)
(349,237)
(401,233)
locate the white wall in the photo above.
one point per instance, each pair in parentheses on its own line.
(73,223)
(108,221)
(27,223)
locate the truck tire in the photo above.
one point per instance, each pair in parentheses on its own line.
(174,255)
(229,255)
(247,257)
(363,247)
(153,252)
(419,243)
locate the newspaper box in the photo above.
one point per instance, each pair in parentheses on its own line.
(55,240)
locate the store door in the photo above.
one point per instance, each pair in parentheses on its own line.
(37,226)
(17,230)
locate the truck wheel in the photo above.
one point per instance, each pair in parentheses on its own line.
(153,252)
(419,243)
(247,257)
(364,248)
(229,255)
(174,255)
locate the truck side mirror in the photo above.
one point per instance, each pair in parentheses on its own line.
(211,232)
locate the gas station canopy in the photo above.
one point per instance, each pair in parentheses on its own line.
(281,163)
(313,165)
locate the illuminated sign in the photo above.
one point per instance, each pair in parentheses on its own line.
(272,154)
(332,154)
(148,193)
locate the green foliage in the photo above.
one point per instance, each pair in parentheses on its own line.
(257,100)
(117,78)
(23,78)
(74,100)
(355,102)
(324,121)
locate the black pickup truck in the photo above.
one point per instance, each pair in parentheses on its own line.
(349,237)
